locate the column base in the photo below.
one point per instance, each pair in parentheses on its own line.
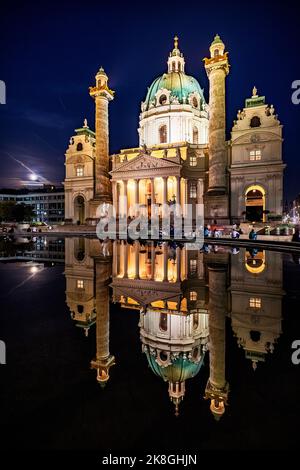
(92,219)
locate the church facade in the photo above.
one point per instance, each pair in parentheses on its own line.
(183,156)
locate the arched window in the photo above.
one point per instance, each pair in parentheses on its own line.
(163,356)
(173,66)
(163,322)
(195,320)
(79,249)
(255,336)
(195,102)
(216,53)
(179,67)
(163,134)
(79,147)
(162,99)
(80,308)
(195,135)
(255,122)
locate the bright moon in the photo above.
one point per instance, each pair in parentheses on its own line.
(33,176)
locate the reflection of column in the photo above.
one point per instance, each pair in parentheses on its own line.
(217,68)
(200,191)
(178,263)
(104,360)
(115,258)
(217,387)
(125,251)
(137,259)
(152,261)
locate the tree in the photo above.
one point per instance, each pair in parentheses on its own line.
(10,211)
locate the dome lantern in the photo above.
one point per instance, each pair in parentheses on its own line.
(176,60)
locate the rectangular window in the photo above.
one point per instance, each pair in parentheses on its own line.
(79,171)
(255,155)
(193,160)
(255,302)
(79,284)
(193,190)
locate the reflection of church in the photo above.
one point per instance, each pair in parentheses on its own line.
(256,298)
(183,156)
(183,297)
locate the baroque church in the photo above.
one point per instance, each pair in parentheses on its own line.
(183,156)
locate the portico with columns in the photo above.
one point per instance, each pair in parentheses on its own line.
(146,181)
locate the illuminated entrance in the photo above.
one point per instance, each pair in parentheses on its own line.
(255,204)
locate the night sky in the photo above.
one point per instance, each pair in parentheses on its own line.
(52,51)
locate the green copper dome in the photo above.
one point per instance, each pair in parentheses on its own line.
(179,84)
(180,370)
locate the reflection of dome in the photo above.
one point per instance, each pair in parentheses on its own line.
(179,370)
(179,84)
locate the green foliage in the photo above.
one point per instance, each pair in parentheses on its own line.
(10,211)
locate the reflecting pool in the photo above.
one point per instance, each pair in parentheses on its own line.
(149,346)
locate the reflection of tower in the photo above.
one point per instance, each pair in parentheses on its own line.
(167,285)
(79,274)
(217,68)
(175,346)
(104,360)
(256,298)
(102,95)
(217,388)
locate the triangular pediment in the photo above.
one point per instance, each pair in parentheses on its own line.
(145,162)
(144,297)
(146,294)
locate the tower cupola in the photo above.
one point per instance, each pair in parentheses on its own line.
(217,47)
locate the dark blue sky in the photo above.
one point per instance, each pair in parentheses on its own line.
(51,52)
